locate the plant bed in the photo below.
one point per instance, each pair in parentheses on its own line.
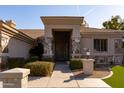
(15,62)
(32,59)
(40,68)
(75,64)
(48,59)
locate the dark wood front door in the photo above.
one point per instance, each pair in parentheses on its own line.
(62,44)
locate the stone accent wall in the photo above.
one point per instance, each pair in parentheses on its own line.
(48,46)
(76,53)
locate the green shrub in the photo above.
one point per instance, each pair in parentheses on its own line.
(40,68)
(15,62)
(48,59)
(75,64)
(32,59)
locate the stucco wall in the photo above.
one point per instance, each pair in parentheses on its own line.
(75,29)
(18,48)
(87,42)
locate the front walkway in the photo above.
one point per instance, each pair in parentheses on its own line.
(62,77)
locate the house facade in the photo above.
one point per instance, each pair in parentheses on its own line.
(64,37)
(13,43)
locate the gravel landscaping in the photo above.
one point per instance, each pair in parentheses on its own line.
(97,73)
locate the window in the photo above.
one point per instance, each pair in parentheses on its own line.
(119,45)
(100,44)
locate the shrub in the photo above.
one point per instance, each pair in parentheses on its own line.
(75,64)
(40,68)
(48,59)
(15,62)
(32,59)
(37,51)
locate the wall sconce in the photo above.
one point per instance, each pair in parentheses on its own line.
(87,52)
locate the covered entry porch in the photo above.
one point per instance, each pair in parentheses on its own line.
(62,37)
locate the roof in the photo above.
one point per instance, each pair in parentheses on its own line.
(12,31)
(62,20)
(97,30)
(62,17)
(33,33)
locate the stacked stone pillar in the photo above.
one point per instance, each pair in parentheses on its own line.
(76,52)
(48,52)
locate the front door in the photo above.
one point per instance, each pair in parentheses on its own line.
(61,45)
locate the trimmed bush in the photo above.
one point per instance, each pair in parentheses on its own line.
(15,62)
(40,68)
(32,59)
(75,64)
(37,51)
(48,59)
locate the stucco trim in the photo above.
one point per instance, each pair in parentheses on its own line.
(62,20)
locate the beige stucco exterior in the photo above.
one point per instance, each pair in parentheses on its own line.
(85,36)
(13,42)
(19,41)
(18,48)
(89,34)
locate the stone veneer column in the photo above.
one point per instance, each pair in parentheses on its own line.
(48,47)
(76,47)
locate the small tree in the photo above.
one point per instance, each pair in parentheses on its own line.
(37,51)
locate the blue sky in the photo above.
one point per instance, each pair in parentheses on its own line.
(28,17)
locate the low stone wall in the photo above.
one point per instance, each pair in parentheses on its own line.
(15,78)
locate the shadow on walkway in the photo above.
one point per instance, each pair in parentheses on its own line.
(31,78)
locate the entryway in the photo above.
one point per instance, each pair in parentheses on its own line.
(61,45)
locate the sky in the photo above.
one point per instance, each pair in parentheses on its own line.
(28,16)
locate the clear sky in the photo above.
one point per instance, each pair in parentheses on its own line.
(28,17)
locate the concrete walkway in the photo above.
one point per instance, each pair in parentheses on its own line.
(63,78)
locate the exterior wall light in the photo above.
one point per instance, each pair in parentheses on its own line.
(88,53)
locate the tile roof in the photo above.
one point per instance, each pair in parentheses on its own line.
(33,33)
(89,29)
